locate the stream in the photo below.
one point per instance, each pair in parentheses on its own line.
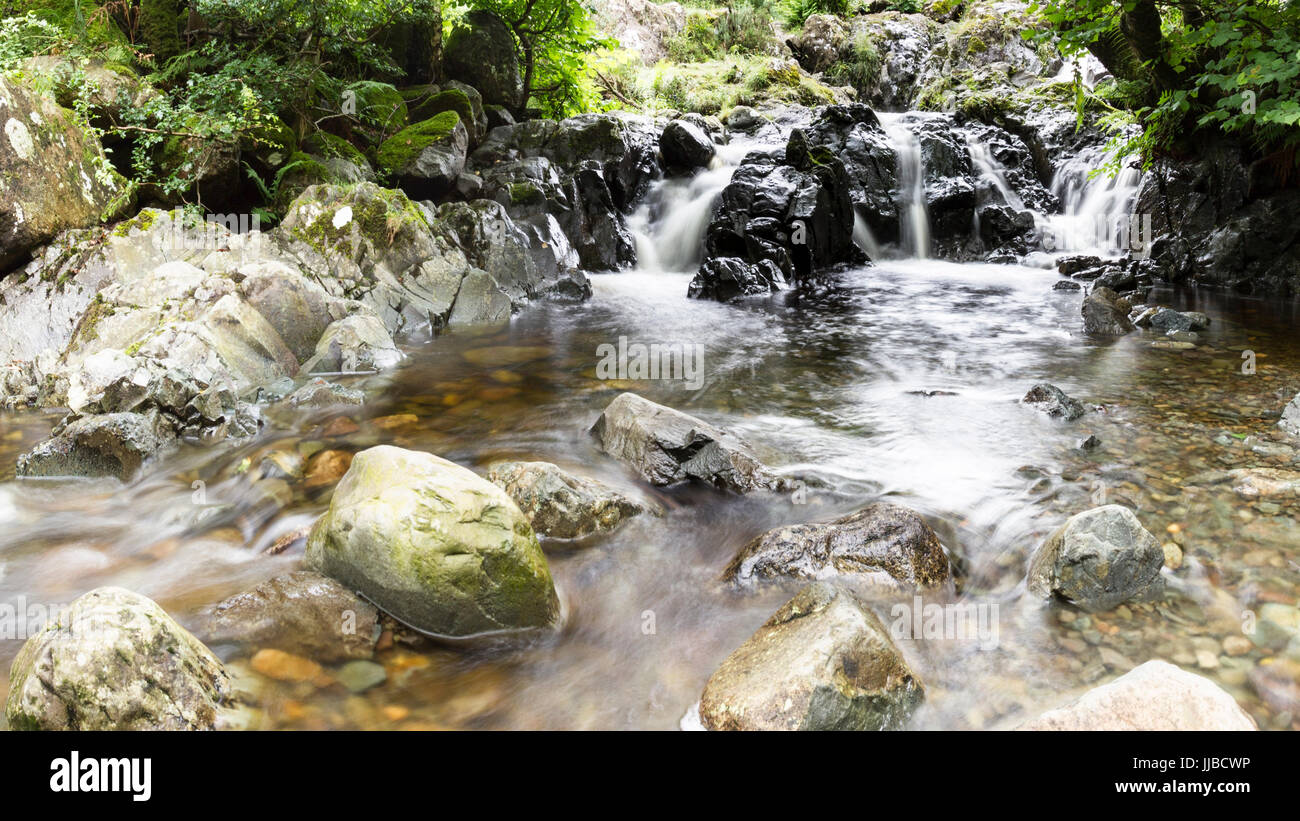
(897,380)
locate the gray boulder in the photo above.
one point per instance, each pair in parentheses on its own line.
(559,504)
(434,545)
(1098,560)
(685,147)
(665,446)
(114,445)
(821,662)
(1290,421)
(115,661)
(882,544)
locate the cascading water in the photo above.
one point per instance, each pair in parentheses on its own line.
(914,222)
(1096,211)
(669,226)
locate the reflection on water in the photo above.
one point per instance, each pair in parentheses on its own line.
(903,382)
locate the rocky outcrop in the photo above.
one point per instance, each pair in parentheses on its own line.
(1098,560)
(585,173)
(1152,696)
(881,545)
(640,26)
(435,546)
(1217,220)
(303,613)
(560,505)
(726,278)
(481,52)
(665,447)
(115,661)
(53,174)
(789,207)
(1290,421)
(112,444)
(821,662)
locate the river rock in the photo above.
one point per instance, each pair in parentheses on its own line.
(53,175)
(115,445)
(303,613)
(559,504)
(1103,315)
(665,446)
(1054,402)
(434,545)
(881,544)
(115,661)
(1152,696)
(821,662)
(1098,560)
(686,147)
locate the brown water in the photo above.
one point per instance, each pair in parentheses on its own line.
(829,387)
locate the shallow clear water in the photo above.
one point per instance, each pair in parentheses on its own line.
(831,387)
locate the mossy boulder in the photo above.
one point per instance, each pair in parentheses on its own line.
(426,158)
(434,545)
(428,105)
(823,661)
(115,661)
(53,173)
(481,52)
(379,106)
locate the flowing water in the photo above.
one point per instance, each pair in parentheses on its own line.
(900,381)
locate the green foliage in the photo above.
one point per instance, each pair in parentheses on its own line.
(797,11)
(160,28)
(555,41)
(861,66)
(28,36)
(1199,68)
(696,42)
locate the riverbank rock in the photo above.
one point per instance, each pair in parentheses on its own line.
(1098,560)
(1054,402)
(665,446)
(821,662)
(1152,696)
(882,544)
(726,278)
(1104,314)
(53,175)
(434,545)
(303,613)
(115,661)
(559,504)
(481,52)
(113,445)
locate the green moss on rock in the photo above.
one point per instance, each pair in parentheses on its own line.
(402,147)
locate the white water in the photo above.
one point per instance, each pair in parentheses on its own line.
(669,226)
(914,221)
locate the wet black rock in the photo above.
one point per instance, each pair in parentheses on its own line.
(1104,313)
(727,278)
(686,147)
(1098,560)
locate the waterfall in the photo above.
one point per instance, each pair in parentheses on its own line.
(669,227)
(1095,212)
(988,167)
(914,222)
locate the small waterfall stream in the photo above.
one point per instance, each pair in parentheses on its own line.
(914,221)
